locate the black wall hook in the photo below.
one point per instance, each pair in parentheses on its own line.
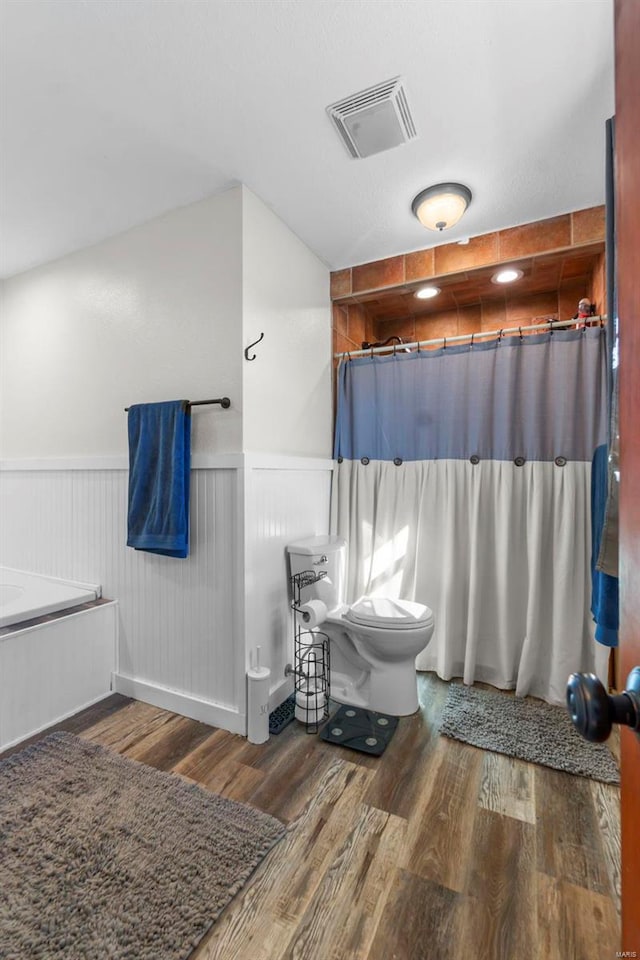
(246,351)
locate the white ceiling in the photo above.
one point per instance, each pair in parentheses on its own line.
(114,111)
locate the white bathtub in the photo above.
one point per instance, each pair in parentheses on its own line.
(50,668)
(25,596)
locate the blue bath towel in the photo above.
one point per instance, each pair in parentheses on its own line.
(604,588)
(159,468)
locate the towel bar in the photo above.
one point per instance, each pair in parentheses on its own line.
(223,401)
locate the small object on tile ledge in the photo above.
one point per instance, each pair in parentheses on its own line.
(586,309)
(367,345)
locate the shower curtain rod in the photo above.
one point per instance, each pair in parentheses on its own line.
(223,401)
(551,324)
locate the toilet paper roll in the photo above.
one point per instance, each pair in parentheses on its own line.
(314,701)
(313,612)
(258,683)
(311,663)
(310,708)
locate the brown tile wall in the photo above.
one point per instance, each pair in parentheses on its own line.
(587,225)
(496,313)
(352,325)
(530,238)
(570,292)
(381,273)
(565,232)
(599,285)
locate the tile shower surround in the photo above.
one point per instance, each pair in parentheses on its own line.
(353,322)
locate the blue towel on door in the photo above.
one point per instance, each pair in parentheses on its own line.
(159,469)
(604,588)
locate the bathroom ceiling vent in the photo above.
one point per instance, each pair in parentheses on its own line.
(375,119)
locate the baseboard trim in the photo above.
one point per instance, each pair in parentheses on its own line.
(195,708)
(206,711)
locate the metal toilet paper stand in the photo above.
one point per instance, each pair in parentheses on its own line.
(311,669)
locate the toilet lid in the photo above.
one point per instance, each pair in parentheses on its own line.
(385,612)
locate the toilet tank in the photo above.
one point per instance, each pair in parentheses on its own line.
(325,553)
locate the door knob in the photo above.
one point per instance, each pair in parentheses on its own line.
(593,711)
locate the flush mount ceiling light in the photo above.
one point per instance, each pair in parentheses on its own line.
(426,293)
(507,276)
(441,206)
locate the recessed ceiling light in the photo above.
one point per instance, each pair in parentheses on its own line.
(507,276)
(425,293)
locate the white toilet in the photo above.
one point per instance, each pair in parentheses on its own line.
(374,642)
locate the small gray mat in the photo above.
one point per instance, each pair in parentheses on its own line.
(525,728)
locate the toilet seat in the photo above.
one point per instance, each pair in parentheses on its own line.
(389,614)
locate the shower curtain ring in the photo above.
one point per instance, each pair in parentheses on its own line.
(500,334)
(372,353)
(521,337)
(444,343)
(472,339)
(394,349)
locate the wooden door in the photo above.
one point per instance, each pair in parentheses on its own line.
(627,174)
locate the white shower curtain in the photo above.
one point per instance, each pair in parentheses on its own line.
(498,548)
(500,553)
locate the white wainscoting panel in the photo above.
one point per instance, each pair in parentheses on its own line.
(187,628)
(283,505)
(55,669)
(178,618)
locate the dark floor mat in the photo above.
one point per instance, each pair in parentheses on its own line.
(359,729)
(282,715)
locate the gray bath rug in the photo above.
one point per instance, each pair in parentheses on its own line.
(525,728)
(103,857)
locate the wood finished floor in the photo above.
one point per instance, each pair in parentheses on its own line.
(435,850)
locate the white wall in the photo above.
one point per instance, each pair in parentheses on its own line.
(285,499)
(152,314)
(161,312)
(285,290)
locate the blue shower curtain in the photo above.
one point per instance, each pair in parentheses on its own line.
(463,481)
